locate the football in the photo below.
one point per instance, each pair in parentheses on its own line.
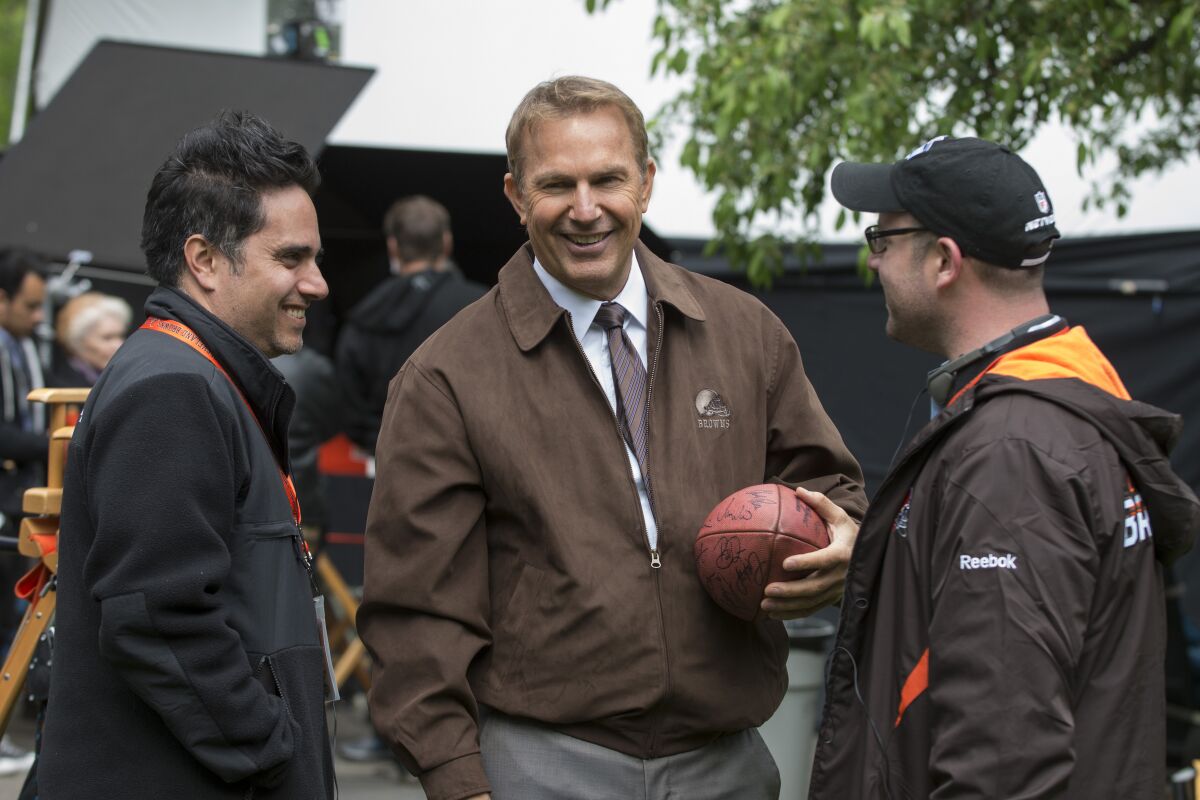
(742,544)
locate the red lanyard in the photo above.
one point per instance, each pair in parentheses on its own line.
(183,333)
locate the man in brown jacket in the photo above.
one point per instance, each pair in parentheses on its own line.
(545,462)
(1003,629)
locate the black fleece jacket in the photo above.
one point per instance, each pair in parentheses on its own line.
(383,330)
(187,662)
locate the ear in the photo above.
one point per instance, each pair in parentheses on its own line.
(203,261)
(949,263)
(447,243)
(393,249)
(513,192)
(648,183)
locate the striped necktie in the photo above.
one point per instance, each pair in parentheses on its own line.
(629,376)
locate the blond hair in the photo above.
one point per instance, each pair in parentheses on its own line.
(80,314)
(566,97)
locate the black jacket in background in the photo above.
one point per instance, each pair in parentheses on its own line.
(187,662)
(316,419)
(383,330)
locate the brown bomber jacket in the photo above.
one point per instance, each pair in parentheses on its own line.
(506,558)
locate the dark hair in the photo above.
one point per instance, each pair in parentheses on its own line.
(419,225)
(212,185)
(15,264)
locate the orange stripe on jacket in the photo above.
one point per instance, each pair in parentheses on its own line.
(914,685)
(1067,354)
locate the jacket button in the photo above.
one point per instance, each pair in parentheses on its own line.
(861,602)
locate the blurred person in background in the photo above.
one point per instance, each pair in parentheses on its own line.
(423,292)
(88,329)
(22,435)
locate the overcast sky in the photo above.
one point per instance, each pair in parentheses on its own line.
(449,74)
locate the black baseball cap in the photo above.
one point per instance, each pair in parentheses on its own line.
(980,194)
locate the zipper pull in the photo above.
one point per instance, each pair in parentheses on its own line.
(655,561)
(305,556)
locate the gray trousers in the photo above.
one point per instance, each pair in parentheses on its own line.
(527,761)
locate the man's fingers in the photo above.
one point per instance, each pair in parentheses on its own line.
(813,598)
(813,585)
(825,558)
(828,510)
(824,570)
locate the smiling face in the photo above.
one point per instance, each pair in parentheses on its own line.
(581,198)
(909,284)
(265,297)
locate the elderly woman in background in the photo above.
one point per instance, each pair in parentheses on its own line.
(89,330)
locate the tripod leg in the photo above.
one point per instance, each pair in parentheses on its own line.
(16,666)
(337,587)
(349,661)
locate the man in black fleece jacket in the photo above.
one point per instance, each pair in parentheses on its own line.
(423,292)
(188,660)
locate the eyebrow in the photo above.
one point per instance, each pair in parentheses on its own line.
(606,172)
(297,251)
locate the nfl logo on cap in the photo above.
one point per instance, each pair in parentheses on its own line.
(1042,203)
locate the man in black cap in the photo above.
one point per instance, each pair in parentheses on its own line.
(1002,630)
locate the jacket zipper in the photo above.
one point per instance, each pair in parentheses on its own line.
(655,559)
(818,778)
(265,663)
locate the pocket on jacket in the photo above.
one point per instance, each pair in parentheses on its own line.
(273,589)
(296,676)
(514,625)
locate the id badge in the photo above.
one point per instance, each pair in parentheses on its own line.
(331,688)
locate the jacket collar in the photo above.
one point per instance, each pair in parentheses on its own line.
(269,396)
(531,312)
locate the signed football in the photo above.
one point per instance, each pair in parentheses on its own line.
(742,544)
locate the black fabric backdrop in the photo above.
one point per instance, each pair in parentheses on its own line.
(1138,297)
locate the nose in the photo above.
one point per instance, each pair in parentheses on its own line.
(873,260)
(583,207)
(312,283)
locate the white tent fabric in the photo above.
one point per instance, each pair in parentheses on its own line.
(72,27)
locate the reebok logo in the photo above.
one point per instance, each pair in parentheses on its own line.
(990,561)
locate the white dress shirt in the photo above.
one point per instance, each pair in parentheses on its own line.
(594,342)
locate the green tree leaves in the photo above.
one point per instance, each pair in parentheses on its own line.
(780,90)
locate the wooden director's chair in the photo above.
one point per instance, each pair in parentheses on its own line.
(38,539)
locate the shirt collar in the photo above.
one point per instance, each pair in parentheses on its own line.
(633,298)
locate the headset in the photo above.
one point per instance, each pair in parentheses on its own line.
(940,382)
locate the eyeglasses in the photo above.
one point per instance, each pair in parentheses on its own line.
(876,237)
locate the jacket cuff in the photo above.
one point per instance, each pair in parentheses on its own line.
(457,779)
